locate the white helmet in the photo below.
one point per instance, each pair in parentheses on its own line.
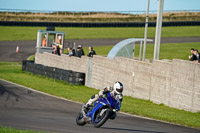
(118,87)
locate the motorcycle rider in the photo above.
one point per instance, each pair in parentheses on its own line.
(115,91)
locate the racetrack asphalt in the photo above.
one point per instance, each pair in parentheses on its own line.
(24,108)
(27,48)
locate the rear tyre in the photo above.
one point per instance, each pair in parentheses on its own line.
(100,120)
(80,120)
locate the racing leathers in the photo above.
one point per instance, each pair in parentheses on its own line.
(102,93)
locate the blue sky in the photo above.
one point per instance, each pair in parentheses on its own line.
(98,5)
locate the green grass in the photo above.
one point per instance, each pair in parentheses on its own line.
(30,33)
(13,130)
(167,50)
(161,112)
(171,50)
(12,72)
(100,50)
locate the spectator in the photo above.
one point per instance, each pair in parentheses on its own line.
(44,41)
(79,51)
(71,51)
(192,57)
(59,43)
(59,39)
(60,47)
(196,53)
(56,49)
(91,52)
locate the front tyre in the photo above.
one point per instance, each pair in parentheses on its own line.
(80,120)
(101,119)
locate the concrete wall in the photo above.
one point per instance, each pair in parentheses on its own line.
(175,84)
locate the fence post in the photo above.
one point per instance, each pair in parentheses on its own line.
(89,74)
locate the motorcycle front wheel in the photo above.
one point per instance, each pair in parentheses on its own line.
(80,120)
(101,119)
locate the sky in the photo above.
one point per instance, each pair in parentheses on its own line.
(98,5)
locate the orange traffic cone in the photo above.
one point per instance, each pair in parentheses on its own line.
(17,49)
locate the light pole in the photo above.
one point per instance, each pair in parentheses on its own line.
(158,30)
(146,29)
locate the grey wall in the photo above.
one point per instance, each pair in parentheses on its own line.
(175,84)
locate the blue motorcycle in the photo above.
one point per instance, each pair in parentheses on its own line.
(103,109)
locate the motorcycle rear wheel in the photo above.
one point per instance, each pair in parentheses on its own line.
(80,120)
(100,120)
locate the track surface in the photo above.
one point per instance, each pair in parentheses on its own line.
(27,48)
(27,109)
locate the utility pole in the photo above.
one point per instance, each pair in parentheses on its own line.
(146,29)
(158,30)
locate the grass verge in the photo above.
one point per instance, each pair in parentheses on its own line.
(12,72)
(167,50)
(30,33)
(13,130)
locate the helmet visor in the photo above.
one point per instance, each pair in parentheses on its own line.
(119,89)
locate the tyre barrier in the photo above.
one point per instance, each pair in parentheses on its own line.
(71,77)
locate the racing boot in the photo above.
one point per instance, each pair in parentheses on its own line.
(86,108)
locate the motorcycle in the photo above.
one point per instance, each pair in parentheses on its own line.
(103,109)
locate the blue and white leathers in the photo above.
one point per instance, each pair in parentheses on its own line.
(104,108)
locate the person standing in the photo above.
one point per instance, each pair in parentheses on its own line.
(91,52)
(196,53)
(79,51)
(192,57)
(70,51)
(44,41)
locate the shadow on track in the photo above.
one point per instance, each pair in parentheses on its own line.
(3,91)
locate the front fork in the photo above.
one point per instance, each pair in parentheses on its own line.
(85,117)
